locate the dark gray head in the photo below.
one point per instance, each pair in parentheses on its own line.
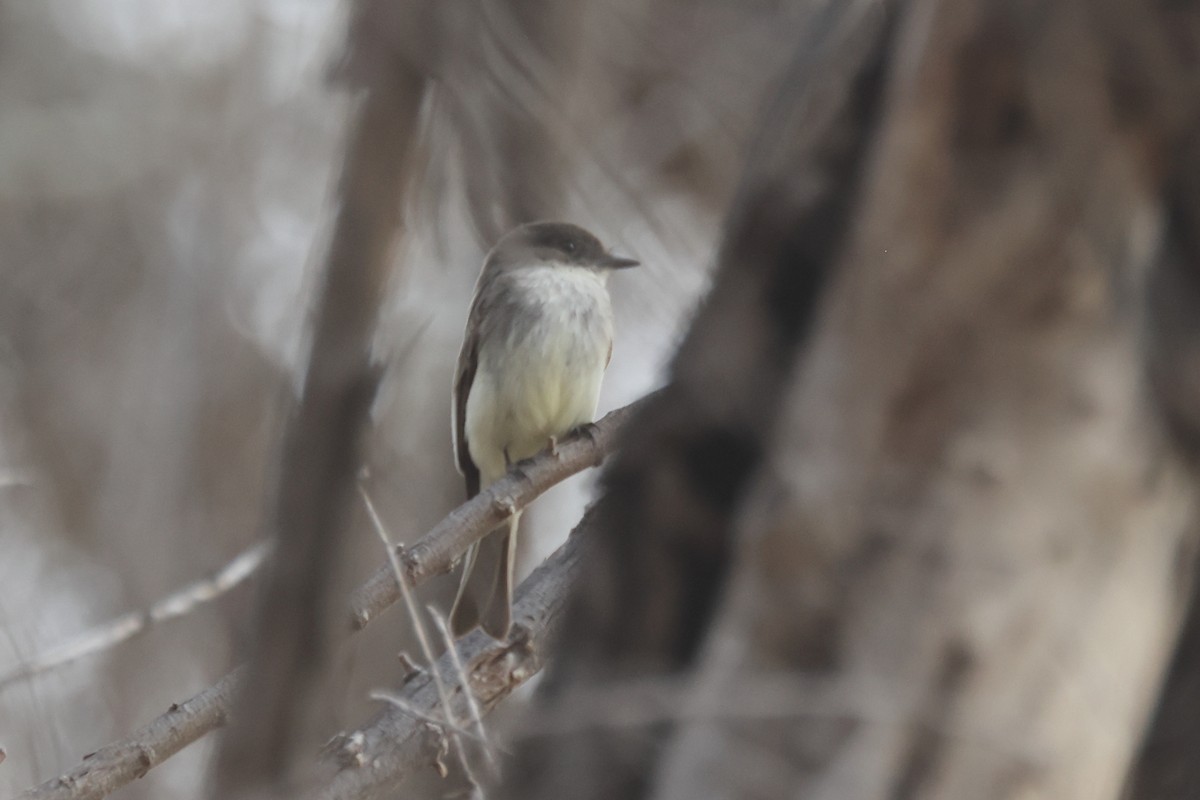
(557,243)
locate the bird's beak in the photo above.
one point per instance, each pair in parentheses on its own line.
(609,261)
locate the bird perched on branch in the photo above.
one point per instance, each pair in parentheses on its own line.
(539,337)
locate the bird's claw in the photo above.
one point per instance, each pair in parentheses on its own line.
(519,633)
(588,430)
(505,506)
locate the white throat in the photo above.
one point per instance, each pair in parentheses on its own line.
(564,284)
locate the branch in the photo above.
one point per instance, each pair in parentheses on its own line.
(519,489)
(281,701)
(414,615)
(646,601)
(369,762)
(123,762)
(436,552)
(127,626)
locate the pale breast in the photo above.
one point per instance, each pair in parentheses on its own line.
(544,370)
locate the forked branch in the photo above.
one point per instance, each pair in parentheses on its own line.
(124,761)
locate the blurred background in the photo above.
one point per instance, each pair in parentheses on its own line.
(166,169)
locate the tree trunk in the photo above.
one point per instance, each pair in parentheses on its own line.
(915,516)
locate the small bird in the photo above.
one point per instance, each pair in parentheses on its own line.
(538,340)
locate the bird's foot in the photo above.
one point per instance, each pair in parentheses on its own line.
(553,447)
(519,634)
(588,431)
(518,469)
(505,505)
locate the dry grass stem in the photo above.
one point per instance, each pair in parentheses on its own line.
(418,625)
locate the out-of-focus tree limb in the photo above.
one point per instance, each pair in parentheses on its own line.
(975,515)
(966,502)
(511,60)
(282,697)
(127,626)
(436,552)
(1167,767)
(656,568)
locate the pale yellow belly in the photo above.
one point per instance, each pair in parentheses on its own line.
(538,390)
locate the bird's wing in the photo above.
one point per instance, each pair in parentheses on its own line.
(464,375)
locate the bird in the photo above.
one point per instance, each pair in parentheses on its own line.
(538,339)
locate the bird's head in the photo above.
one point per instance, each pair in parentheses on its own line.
(556,244)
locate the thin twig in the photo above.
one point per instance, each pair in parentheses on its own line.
(418,624)
(382,753)
(127,626)
(439,720)
(465,682)
(436,552)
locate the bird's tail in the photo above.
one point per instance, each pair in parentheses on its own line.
(485,590)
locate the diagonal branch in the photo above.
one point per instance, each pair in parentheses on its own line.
(127,626)
(432,555)
(371,761)
(382,752)
(436,552)
(121,763)
(129,759)
(414,615)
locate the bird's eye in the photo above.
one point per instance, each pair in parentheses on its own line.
(570,247)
